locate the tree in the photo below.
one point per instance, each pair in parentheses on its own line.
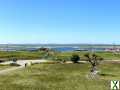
(14,60)
(94,60)
(75,58)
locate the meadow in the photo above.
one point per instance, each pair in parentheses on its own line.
(2,67)
(105,55)
(63,55)
(20,55)
(59,77)
(56,76)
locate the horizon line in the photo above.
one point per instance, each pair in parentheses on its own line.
(59,44)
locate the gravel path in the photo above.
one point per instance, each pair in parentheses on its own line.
(29,62)
(21,63)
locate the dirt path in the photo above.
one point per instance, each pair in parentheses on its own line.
(21,63)
(29,62)
(10,69)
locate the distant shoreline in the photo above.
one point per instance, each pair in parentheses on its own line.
(60,44)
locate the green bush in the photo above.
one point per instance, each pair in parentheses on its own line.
(75,58)
(14,64)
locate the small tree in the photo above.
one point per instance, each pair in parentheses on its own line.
(94,60)
(14,60)
(75,58)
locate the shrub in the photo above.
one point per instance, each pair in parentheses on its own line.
(75,58)
(14,64)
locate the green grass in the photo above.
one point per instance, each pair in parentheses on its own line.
(110,71)
(21,55)
(63,55)
(59,77)
(105,55)
(2,67)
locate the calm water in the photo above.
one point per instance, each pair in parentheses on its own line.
(66,49)
(61,49)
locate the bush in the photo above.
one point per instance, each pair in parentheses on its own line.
(75,58)
(14,64)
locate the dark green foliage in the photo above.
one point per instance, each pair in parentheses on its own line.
(75,58)
(14,59)
(94,60)
(14,64)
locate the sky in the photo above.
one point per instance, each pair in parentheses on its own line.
(59,21)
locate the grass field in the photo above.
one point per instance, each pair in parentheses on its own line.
(59,77)
(105,55)
(40,54)
(21,55)
(2,67)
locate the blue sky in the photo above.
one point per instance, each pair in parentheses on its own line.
(60,21)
